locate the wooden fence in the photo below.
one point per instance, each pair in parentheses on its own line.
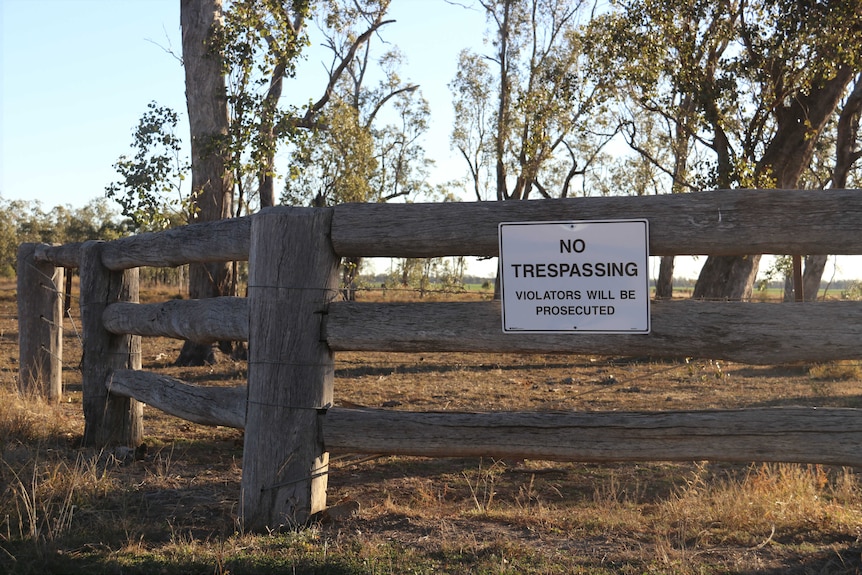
(294,323)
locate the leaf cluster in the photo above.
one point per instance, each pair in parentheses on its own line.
(725,79)
(149,190)
(531,120)
(260,44)
(365,145)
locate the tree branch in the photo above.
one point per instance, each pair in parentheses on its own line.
(373,114)
(336,74)
(652,160)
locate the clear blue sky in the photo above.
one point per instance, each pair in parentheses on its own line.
(78,74)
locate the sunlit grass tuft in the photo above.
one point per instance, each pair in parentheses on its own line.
(769,502)
(837,371)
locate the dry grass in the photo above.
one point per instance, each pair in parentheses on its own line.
(70,510)
(837,371)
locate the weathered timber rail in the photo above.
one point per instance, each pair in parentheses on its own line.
(723,222)
(755,333)
(294,325)
(795,434)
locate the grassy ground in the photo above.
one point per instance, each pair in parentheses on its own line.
(64,509)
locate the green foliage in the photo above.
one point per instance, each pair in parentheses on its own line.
(782,267)
(260,44)
(25,221)
(530,120)
(365,143)
(852,292)
(334,165)
(472,134)
(150,187)
(339,145)
(731,83)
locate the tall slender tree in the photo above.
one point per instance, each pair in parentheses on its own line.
(847,152)
(212,183)
(262,42)
(529,118)
(367,144)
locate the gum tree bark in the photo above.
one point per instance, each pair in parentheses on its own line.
(799,125)
(847,153)
(212,185)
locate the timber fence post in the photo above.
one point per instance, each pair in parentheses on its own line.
(292,277)
(108,419)
(40,325)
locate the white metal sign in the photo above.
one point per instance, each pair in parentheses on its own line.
(575,276)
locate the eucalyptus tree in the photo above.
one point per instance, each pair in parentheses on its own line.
(473,131)
(656,74)
(766,77)
(529,120)
(833,165)
(367,144)
(212,181)
(236,61)
(262,42)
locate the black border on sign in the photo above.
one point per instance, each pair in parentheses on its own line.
(501,267)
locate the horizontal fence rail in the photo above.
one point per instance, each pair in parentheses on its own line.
(788,434)
(199,320)
(800,435)
(66,255)
(222,240)
(207,405)
(721,222)
(755,333)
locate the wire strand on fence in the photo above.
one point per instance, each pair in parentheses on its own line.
(317,472)
(78,334)
(334,293)
(51,353)
(320,409)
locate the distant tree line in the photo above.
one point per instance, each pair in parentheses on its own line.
(28,221)
(24,221)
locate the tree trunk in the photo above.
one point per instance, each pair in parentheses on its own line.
(727,277)
(349,274)
(785,158)
(266,182)
(811,275)
(212,185)
(664,284)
